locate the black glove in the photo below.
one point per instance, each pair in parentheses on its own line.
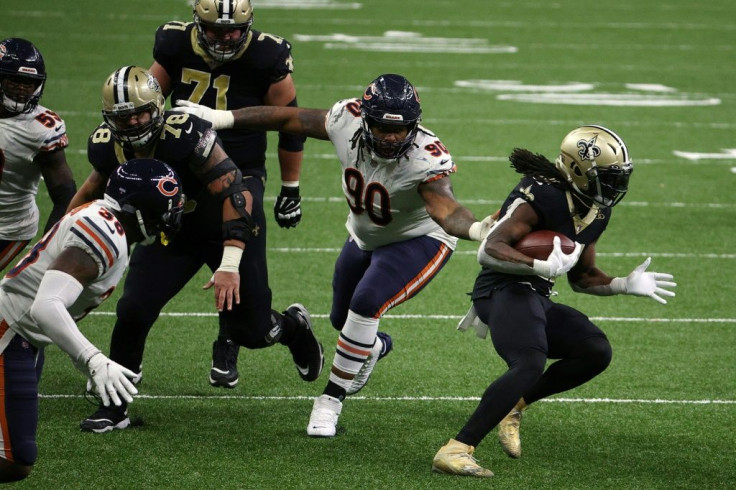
(288,207)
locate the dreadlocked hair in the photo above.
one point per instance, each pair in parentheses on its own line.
(357,139)
(537,166)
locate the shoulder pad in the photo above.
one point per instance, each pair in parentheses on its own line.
(99,236)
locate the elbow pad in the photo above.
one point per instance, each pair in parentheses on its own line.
(240,228)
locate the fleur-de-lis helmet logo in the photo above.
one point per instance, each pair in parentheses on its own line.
(588,149)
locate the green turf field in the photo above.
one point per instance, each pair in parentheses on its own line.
(492,75)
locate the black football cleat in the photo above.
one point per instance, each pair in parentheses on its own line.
(224,371)
(106,419)
(305,349)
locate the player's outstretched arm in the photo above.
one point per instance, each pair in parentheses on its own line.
(638,283)
(294,120)
(453,217)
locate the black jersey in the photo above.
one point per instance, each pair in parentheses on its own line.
(553,206)
(242,81)
(186,141)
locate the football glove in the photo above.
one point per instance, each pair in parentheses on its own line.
(642,283)
(558,263)
(111,380)
(219,119)
(288,207)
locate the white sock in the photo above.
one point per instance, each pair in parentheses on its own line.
(353,346)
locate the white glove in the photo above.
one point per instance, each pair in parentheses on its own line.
(219,119)
(111,379)
(480,229)
(642,283)
(557,263)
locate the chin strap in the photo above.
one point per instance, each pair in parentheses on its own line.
(147,239)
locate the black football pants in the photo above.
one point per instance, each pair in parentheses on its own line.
(527,329)
(157,273)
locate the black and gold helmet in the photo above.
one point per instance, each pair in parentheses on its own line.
(595,163)
(222,15)
(131,91)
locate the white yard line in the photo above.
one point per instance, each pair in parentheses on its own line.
(657,401)
(197,314)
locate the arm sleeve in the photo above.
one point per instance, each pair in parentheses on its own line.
(58,291)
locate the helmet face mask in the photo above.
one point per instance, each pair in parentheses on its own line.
(595,162)
(133,107)
(150,192)
(390,104)
(22,75)
(220,18)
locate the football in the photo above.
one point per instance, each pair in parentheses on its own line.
(538,244)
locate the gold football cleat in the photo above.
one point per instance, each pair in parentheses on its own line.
(508,433)
(456,458)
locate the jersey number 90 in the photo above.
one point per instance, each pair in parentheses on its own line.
(371,198)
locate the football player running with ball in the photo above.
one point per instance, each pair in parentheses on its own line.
(402,225)
(68,273)
(574,196)
(221,62)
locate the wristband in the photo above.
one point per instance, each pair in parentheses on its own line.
(475,231)
(230,259)
(86,363)
(223,120)
(618,285)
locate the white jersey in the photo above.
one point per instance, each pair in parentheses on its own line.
(22,138)
(91,228)
(385,204)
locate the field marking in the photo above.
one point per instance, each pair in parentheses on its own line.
(331,158)
(657,401)
(198,314)
(404,42)
(670,255)
(432,121)
(571,93)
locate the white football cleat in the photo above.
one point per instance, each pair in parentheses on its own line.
(323,420)
(381,348)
